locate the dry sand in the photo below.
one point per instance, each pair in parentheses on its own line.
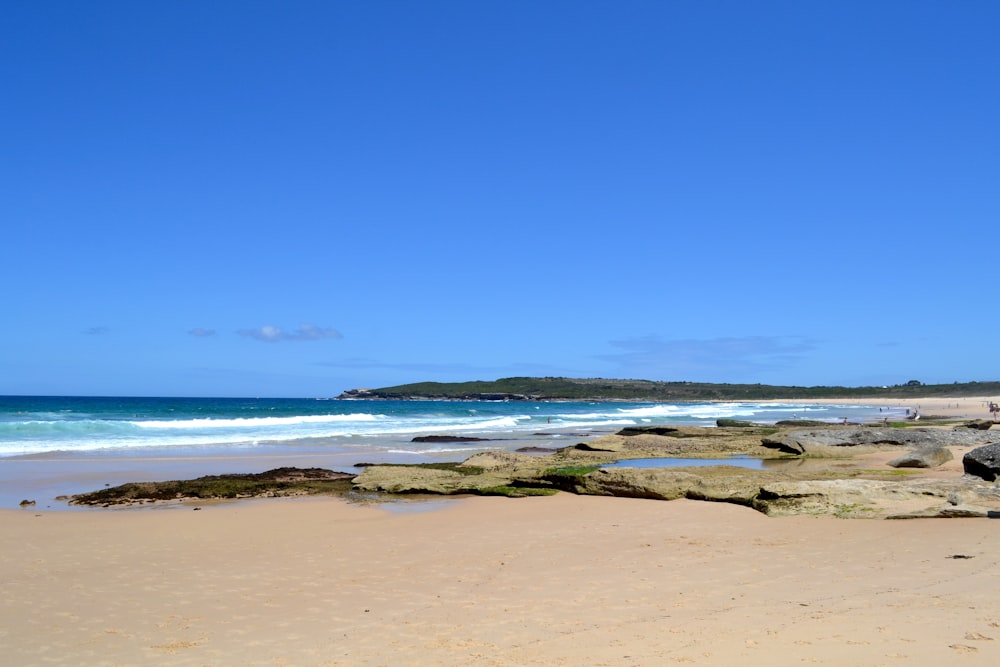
(561,580)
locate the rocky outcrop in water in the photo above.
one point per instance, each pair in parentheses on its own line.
(378,394)
(446,438)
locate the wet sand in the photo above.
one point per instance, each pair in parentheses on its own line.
(562,580)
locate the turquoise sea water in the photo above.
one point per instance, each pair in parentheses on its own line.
(34,425)
(51,446)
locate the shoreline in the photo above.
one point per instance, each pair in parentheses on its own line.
(966,407)
(43,477)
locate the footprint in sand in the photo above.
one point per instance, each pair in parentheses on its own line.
(962,648)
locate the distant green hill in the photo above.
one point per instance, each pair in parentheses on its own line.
(554,388)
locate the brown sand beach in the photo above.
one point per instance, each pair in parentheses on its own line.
(559,580)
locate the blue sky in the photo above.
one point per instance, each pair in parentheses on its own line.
(296,198)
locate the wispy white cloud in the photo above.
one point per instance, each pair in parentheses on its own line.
(738,359)
(272,334)
(198,332)
(403,372)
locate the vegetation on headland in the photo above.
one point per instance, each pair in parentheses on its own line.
(601,389)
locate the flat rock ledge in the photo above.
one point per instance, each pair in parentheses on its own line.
(865,498)
(278,482)
(835,490)
(836,481)
(830,441)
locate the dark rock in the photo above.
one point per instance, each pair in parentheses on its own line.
(801,422)
(500,396)
(983,462)
(277,482)
(978,424)
(357,394)
(27,503)
(447,438)
(734,423)
(647,430)
(287,474)
(535,450)
(600,445)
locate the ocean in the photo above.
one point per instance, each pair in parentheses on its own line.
(75,441)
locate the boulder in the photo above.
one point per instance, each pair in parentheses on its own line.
(823,442)
(928,457)
(983,462)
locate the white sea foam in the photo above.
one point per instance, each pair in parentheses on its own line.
(254,422)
